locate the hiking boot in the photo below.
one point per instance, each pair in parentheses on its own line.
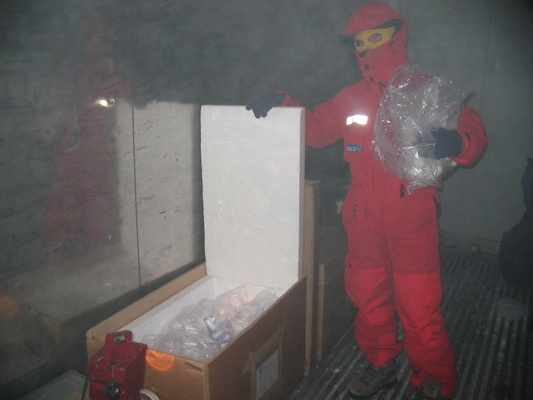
(374,379)
(429,391)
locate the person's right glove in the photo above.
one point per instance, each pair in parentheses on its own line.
(263,103)
(448,143)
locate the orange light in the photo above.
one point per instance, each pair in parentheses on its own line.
(159,361)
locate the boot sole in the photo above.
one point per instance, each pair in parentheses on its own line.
(386,386)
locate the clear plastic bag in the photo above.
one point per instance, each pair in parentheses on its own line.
(414,104)
(199,331)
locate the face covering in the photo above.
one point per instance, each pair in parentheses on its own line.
(372,38)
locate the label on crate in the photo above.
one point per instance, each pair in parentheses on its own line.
(267,372)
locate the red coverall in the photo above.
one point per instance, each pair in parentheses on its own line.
(392,265)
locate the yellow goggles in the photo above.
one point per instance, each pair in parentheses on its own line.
(373,38)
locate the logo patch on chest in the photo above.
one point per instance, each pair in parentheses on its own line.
(354,148)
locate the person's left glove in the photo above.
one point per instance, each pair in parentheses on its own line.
(263,103)
(448,143)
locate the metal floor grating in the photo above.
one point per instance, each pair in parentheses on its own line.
(487,321)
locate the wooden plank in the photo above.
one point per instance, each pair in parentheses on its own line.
(335,311)
(310,267)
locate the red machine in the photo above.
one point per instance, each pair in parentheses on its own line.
(116,371)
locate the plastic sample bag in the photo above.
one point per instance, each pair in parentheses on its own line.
(414,104)
(199,331)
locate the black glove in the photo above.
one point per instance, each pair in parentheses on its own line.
(263,103)
(448,143)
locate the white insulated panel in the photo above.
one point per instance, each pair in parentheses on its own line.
(252,176)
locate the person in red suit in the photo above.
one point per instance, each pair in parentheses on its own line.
(393,260)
